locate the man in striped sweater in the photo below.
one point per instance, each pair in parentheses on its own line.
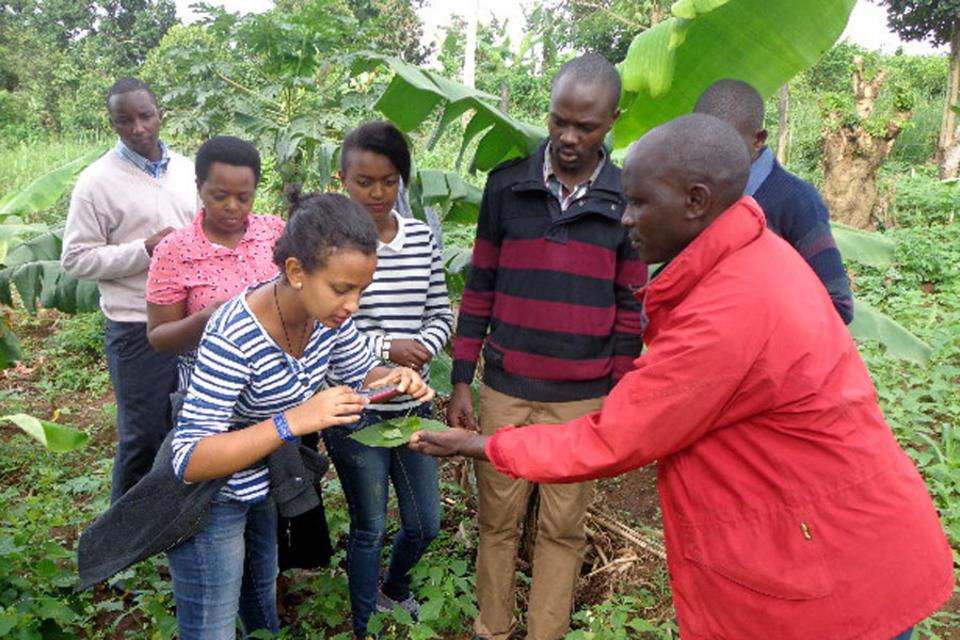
(549,302)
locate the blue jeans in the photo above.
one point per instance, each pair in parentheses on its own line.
(363,473)
(230,567)
(143,380)
(905,635)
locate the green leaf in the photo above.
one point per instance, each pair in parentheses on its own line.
(668,67)
(46,191)
(414,94)
(440,369)
(396,432)
(53,436)
(9,346)
(865,247)
(870,324)
(33,267)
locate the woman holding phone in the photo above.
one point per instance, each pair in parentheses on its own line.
(406,319)
(281,360)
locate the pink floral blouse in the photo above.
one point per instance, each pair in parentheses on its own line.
(187,266)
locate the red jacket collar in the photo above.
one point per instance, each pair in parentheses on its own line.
(733,229)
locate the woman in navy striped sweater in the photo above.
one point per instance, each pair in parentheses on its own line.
(406,318)
(281,360)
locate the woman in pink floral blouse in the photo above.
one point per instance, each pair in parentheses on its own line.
(227,248)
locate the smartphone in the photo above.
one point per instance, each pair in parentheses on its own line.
(379,394)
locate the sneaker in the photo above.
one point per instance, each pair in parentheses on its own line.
(385,604)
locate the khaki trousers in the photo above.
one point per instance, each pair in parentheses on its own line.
(561,540)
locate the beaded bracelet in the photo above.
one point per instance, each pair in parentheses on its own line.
(283,428)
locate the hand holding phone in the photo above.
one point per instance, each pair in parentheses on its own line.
(379,394)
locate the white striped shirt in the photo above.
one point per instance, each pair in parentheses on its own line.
(243,377)
(408,297)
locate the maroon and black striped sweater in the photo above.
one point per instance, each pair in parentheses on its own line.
(549,298)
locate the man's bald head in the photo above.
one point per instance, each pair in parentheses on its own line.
(740,105)
(678,178)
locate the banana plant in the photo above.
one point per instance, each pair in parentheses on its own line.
(32,266)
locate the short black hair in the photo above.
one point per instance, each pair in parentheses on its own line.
(735,102)
(129,85)
(592,68)
(227,150)
(380,137)
(321,223)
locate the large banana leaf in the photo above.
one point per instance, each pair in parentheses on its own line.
(33,267)
(870,324)
(764,43)
(457,199)
(46,191)
(414,94)
(9,346)
(865,247)
(53,436)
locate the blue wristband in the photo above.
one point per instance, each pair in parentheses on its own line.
(283,428)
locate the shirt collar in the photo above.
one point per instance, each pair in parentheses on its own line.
(549,173)
(759,171)
(201,247)
(395,245)
(155,169)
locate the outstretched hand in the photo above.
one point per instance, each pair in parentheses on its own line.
(452,442)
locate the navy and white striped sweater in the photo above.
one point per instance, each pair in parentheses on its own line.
(407,299)
(243,377)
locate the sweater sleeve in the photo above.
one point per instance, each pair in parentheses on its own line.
(437,316)
(476,305)
(807,229)
(627,327)
(86,251)
(680,390)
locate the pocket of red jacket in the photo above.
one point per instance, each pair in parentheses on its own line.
(779,557)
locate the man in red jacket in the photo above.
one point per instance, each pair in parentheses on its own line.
(789,509)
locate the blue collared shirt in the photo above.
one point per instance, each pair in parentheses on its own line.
(155,169)
(759,171)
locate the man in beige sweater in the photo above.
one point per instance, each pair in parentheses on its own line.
(122,206)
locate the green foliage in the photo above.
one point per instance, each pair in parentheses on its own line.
(668,66)
(932,20)
(47,190)
(395,432)
(621,618)
(922,201)
(414,94)
(58,57)
(55,437)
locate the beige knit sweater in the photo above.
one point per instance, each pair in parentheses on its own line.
(114,208)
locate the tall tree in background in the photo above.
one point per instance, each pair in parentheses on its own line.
(606,27)
(58,56)
(394,27)
(938,22)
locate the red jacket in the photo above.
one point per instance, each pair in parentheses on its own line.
(789,509)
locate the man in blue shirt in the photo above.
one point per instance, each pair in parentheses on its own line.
(794,209)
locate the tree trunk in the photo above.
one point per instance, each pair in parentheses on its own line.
(852,154)
(948,147)
(784,130)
